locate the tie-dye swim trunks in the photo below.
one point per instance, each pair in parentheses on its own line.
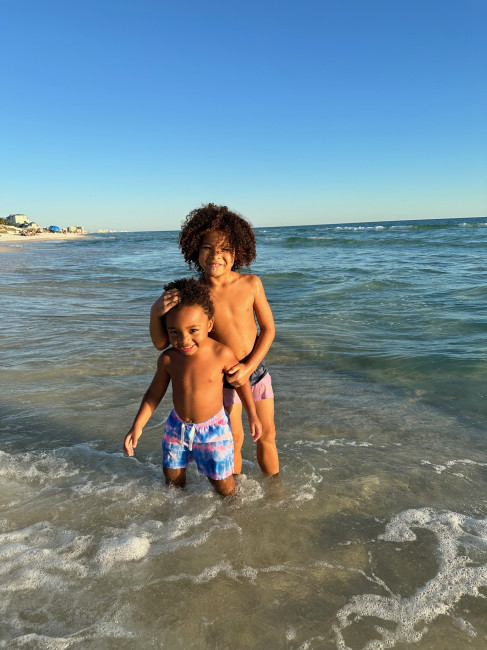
(209,444)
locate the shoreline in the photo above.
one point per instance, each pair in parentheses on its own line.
(12,241)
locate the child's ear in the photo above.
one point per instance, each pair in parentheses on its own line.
(210,324)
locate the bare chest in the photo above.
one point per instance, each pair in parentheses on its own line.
(232,310)
(192,375)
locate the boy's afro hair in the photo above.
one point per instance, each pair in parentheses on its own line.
(213,217)
(192,292)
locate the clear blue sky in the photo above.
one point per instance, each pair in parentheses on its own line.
(128,114)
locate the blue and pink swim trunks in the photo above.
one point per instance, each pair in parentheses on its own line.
(209,444)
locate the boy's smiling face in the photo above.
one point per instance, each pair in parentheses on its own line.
(188,328)
(216,256)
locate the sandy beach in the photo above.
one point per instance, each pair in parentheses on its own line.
(10,241)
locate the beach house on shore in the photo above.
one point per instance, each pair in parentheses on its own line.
(17,219)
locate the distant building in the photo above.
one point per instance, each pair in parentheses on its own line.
(76,229)
(17,219)
(33,226)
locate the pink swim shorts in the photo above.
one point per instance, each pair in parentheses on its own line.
(261,390)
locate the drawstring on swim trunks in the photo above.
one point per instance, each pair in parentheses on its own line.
(191,435)
(191,438)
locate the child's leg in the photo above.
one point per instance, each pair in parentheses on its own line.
(235,415)
(224,487)
(266,446)
(175,477)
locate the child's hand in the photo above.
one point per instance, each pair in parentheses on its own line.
(165,302)
(238,375)
(131,441)
(255,428)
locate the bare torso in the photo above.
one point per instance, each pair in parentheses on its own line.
(235,324)
(197,380)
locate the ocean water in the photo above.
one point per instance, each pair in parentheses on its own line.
(375,534)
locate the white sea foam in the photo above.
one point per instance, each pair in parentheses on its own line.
(226,568)
(210,573)
(101,633)
(457,576)
(37,469)
(332,442)
(181,525)
(125,548)
(450,464)
(248,489)
(341,442)
(360,228)
(37,642)
(465,626)
(40,556)
(307,491)
(162,542)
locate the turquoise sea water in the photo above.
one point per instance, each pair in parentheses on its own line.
(375,535)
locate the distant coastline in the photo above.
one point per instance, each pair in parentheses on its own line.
(12,241)
(17,229)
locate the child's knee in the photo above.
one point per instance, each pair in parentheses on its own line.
(224,487)
(236,425)
(266,446)
(175,477)
(268,433)
(238,438)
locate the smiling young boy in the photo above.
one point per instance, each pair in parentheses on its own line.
(197,428)
(218,242)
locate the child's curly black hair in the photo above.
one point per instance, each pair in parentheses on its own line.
(192,292)
(213,217)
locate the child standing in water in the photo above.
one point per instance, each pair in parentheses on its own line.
(217,243)
(197,428)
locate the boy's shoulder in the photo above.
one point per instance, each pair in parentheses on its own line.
(220,350)
(215,347)
(165,357)
(246,281)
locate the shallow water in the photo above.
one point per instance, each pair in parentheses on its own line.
(375,534)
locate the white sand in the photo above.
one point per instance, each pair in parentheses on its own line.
(17,239)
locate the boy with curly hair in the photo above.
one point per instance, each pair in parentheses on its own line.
(217,243)
(197,428)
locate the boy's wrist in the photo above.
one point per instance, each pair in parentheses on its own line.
(251,365)
(246,368)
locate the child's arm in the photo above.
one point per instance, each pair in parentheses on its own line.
(150,402)
(255,426)
(162,305)
(242,371)
(247,399)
